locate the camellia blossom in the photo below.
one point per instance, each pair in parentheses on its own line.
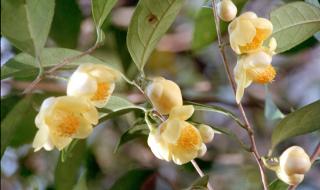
(61,119)
(254,67)
(248,32)
(164,95)
(178,140)
(95,82)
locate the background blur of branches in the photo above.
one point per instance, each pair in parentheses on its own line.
(201,76)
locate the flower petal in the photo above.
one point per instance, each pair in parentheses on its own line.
(59,141)
(172,130)
(42,139)
(84,130)
(81,84)
(181,112)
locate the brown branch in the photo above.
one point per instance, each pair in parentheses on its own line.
(51,71)
(249,128)
(313,158)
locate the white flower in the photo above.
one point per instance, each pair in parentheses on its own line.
(95,82)
(176,139)
(61,119)
(247,32)
(253,67)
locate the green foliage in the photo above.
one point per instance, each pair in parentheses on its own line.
(205,30)
(200,184)
(82,183)
(67,172)
(271,111)
(294,23)
(134,132)
(151,19)
(26,24)
(9,125)
(66,22)
(117,106)
(215,109)
(100,10)
(22,65)
(133,179)
(302,121)
(278,185)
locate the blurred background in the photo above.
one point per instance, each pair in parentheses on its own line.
(188,54)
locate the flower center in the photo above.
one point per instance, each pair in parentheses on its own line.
(189,138)
(66,123)
(102,91)
(256,42)
(264,76)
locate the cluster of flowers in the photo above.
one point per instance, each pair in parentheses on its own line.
(175,139)
(247,35)
(63,118)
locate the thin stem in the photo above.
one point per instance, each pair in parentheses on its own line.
(313,158)
(200,172)
(249,129)
(65,61)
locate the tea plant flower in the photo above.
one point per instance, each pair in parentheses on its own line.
(178,140)
(248,32)
(164,95)
(254,67)
(95,82)
(293,164)
(61,119)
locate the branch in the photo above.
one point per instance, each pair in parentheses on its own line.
(313,158)
(249,129)
(195,165)
(51,71)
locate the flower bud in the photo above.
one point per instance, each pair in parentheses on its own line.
(295,160)
(292,179)
(227,11)
(202,151)
(206,132)
(164,95)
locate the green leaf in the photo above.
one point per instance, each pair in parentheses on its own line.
(9,125)
(302,121)
(151,19)
(100,10)
(133,179)
(134,132)
(215,109)
(117,106)
(205,30)
(82,182)
(200,184)
(67,172)
(294,23)
(66,22)
(271,111)
(278,185)
(26,24)
(22,65)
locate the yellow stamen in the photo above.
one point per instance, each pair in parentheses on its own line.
(256,42)
(67,123)
(102,91)
(266,76)
(189,138)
